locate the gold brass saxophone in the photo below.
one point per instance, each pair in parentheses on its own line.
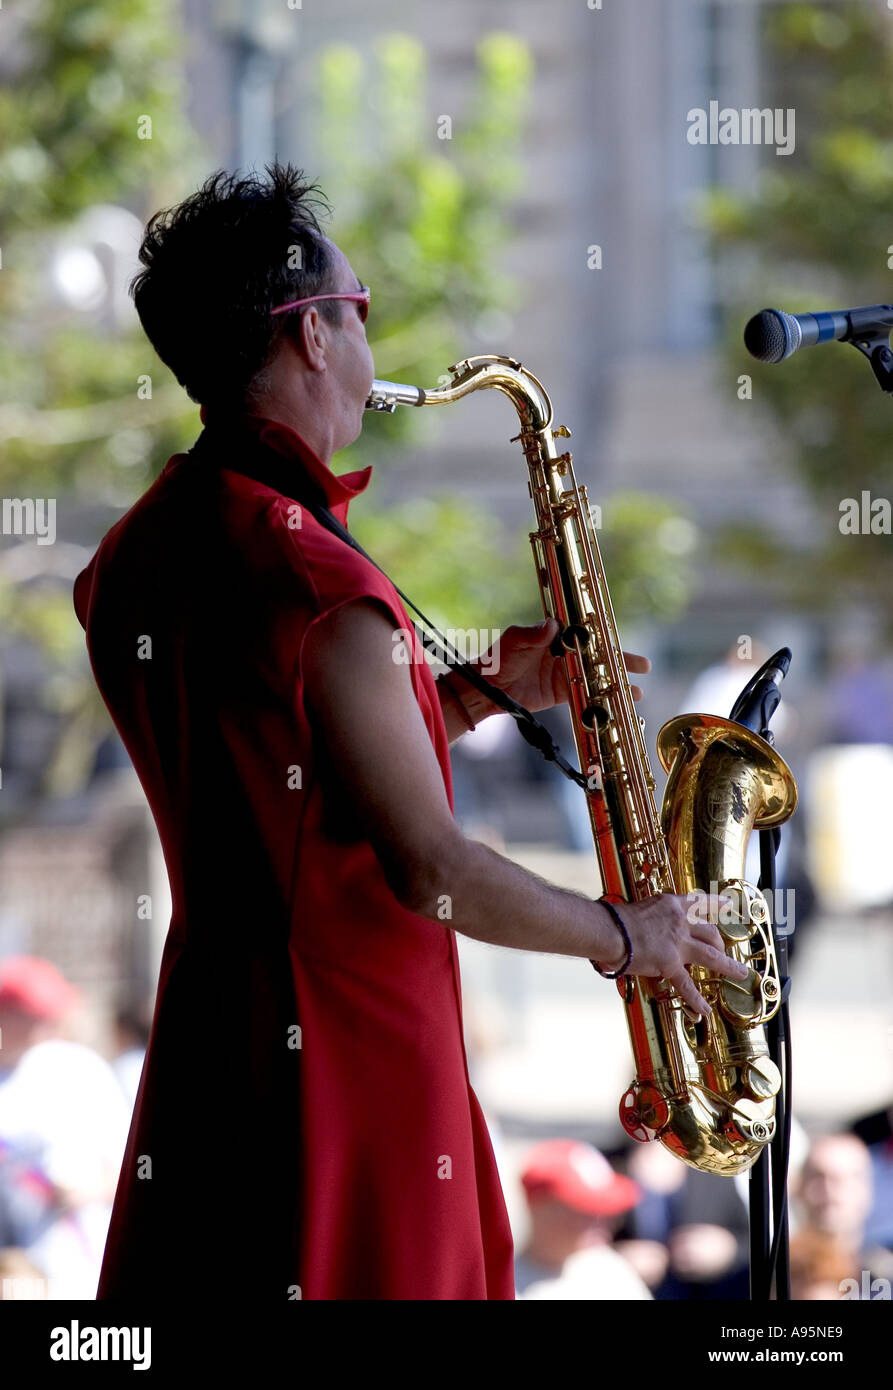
(706,1089)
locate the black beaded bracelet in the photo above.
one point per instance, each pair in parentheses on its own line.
(627,962)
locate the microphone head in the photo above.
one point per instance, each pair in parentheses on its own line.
(771,336)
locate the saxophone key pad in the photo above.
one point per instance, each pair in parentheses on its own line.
(762,1077)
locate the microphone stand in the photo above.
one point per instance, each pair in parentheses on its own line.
(769,1246)
(768,1177)
(876,347)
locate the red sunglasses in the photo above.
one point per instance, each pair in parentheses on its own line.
(361,297)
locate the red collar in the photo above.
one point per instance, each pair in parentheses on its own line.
(339,488)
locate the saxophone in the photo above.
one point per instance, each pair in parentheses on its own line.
(706,1089)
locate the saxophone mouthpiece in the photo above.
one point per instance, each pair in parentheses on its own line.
(387,395)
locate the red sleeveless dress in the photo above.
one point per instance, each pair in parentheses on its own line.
(305,1126)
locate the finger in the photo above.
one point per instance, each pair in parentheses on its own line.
(535,634)
(640,664)
(689,993)
(699,953)
(709,933)
(636,692)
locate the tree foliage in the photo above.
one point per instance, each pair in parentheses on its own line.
(817,234)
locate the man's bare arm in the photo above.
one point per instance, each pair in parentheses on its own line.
(363,702)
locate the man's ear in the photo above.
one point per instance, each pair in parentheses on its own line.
(313,339)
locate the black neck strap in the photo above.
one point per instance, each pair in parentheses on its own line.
(242,451)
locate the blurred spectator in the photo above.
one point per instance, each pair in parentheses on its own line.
(63,1127)
(860,689)
(834,1197)
(819,1265)
(575,1201)
(717,688)
(131,1041)
(876,1132)
(851,781)
(484,763)
(687,1236)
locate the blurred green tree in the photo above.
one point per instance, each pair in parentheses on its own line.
(424,208)
(91,114)
(817,234)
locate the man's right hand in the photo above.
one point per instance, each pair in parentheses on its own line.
(669,932)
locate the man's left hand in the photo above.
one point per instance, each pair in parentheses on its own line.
(521,664)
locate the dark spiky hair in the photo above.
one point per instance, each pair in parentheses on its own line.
(217,264)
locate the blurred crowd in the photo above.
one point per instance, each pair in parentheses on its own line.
(631,1224)
(646,1226)
(636,1224)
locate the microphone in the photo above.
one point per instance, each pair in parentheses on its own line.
(772,335)
(760,698)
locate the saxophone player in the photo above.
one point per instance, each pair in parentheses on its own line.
(305,1107)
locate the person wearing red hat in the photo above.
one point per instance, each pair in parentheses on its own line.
(63,1125)
(574,1199)
(34,997)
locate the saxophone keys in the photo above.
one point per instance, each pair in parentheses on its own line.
(762,1078)
(738,922)
(742,1001)
(755,1120)
(770,988)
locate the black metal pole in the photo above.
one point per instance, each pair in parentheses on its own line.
(774,1176)
(758,1193)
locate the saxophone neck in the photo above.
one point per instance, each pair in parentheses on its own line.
(506,374)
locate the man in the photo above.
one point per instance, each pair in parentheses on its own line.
(305,1117)
(575,1201)
(834,1198)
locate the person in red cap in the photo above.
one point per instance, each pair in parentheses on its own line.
(575,1199)
(63,1124)
(34,997)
